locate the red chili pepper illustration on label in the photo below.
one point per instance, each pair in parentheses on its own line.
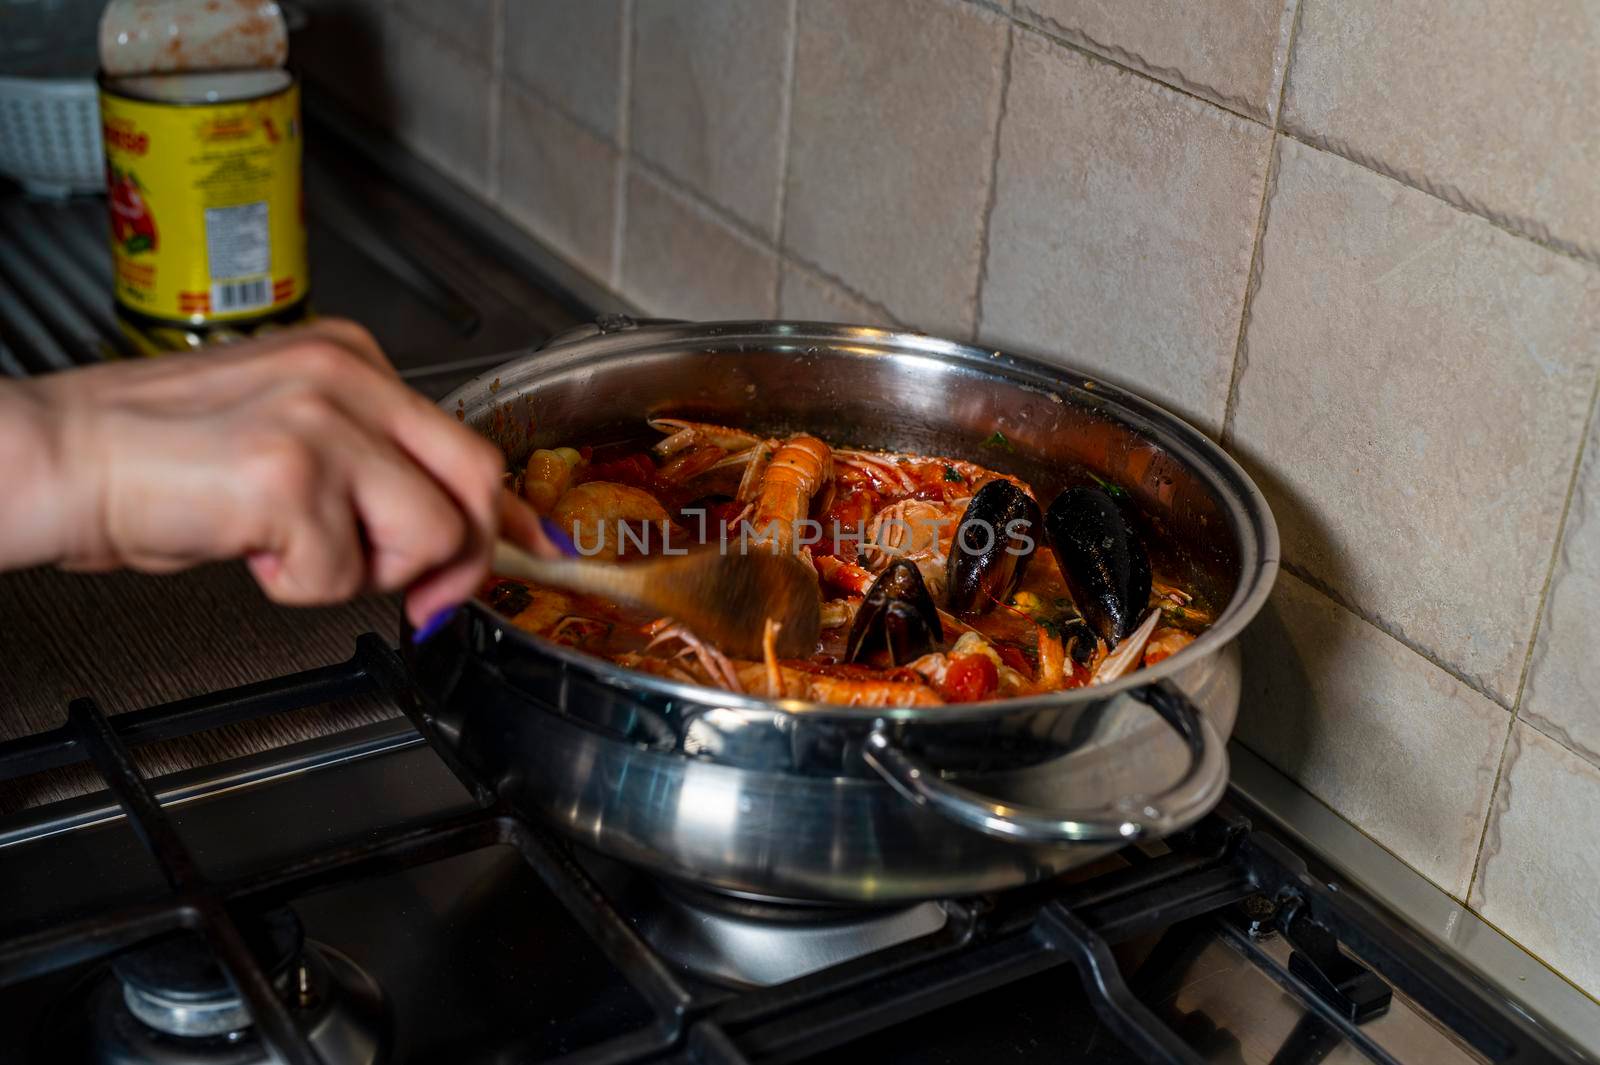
(131,223)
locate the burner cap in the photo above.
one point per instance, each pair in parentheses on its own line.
(175,984)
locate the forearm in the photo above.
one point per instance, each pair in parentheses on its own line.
(34,498)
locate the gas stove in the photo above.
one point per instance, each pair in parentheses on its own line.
(356,899)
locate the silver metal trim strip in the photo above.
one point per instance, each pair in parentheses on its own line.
(1368,866)
(365,741)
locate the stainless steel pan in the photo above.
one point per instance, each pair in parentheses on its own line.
(822,803)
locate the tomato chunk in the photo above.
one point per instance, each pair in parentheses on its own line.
(969,678)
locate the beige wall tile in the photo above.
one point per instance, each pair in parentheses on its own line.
(1539,873)
(708,86)
(1563,691)
(572,52)
(805,294)
(467,24)
(681,261)
(1230,51)
(1376,731)
(1411,401)
(893,120)
(558,180)
(1497,103)
(437,100)
(1129,260)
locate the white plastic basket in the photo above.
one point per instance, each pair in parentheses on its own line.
(49,107)
(50,135)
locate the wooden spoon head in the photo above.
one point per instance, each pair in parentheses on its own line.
(727,599)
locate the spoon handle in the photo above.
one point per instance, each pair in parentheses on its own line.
(614,582)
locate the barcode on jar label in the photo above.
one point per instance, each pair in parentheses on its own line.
(241,295)
(238,241)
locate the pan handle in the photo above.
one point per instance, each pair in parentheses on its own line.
(1123,821)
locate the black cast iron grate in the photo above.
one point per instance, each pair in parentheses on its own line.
(1218,879)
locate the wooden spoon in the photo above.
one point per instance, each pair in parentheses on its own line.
(723,598)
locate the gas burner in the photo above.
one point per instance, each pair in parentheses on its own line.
(168,1002)
(740,942)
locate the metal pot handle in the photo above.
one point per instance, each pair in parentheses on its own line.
(1128,819)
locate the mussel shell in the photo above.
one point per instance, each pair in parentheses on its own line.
(1103,559)
(986,560)
(1079,640)
(897,614)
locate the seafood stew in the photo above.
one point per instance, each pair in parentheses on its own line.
(941,580)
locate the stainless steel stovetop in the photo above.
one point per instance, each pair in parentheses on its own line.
(352,899)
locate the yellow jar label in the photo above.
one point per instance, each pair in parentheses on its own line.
(207,219)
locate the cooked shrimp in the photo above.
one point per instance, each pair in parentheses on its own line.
(848,692)
(800,467)
(792,683)
(919,531)
(837,613)
(717,666)
(594,514)
(846,576)
(683,434)
(687,465)
(769,656)
(755,471)
(934,667)
(1125,657)
(1052,661)
(1164,643)
(882,467)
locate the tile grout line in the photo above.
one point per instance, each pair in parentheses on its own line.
(785,133)
(619,192)
(1252,282)
(1520,228)
(1533,636)
(1288,36)
(1252,277)
(993,192)
(742,229)
(839,283)
(1099,57)
(1327,591)
(1560,534)
(1511,227)
(1488,814)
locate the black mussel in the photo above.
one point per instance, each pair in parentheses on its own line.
(1079,641)
(898,615)
(1103,558)
(991,549)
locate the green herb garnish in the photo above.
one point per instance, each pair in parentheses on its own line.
(998,439)
(1115,491)
(952,474)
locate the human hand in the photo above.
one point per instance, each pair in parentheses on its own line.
(301,452)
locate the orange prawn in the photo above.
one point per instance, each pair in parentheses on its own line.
(799,468)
